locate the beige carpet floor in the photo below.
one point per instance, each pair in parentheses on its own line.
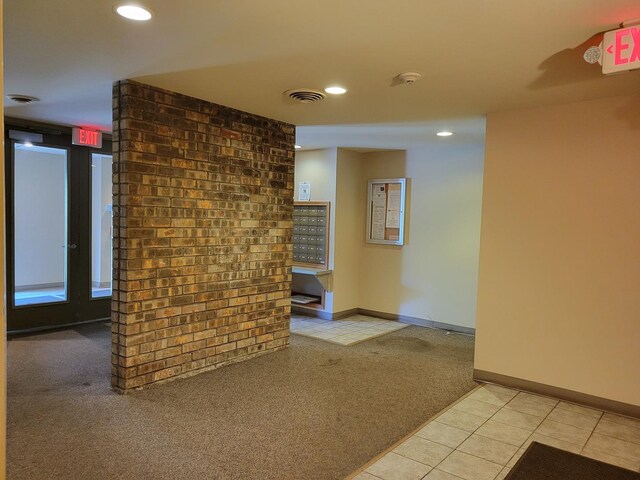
(313,411)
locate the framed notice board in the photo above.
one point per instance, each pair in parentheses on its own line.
(385,211)
(311,234)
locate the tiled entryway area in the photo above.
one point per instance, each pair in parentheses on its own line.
(482,437)
(349,331)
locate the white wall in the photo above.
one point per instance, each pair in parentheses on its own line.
(40,216)
(101,247)
(434,275)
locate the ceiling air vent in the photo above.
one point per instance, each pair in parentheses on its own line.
(305,95)
(22,99)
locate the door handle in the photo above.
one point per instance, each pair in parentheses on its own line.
(73,246)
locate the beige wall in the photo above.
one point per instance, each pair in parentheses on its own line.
(349,231)
(434,275)
(335,175)
(319,168)
(558,297)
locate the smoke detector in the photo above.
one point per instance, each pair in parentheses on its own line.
(409,78)
(305,95)
(22,99)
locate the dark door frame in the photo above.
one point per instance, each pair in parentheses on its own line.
(79,306)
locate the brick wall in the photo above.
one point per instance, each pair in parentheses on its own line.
(203,201)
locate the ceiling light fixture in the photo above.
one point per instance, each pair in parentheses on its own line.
(593,54)
(335,90)
(133,12)
(444,133)
(297,147)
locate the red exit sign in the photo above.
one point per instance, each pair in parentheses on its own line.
(88,138)
(621,50)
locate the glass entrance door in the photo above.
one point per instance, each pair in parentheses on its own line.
(101,225)
(59,249)
(41,225)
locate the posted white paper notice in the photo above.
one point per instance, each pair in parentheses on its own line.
(379,203)
(393,206)
(304,192)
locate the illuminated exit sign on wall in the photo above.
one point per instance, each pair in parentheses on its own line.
(88,138)
(621,50)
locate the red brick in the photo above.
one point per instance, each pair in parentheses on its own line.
(202,234)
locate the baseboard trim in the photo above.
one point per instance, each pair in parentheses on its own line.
(311,312)
(345,314)
(600,403)
(324,315)
(421,322)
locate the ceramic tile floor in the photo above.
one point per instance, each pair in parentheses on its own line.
(482,437)
(351,330)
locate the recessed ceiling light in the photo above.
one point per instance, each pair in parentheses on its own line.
(133,12)
(335,90)
(297,147)
(444,134)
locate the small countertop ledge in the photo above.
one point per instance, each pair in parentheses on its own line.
(325,277)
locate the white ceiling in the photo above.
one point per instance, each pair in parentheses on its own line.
(476,57)
(396,136)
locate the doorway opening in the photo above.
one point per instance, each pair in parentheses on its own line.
(59,247)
